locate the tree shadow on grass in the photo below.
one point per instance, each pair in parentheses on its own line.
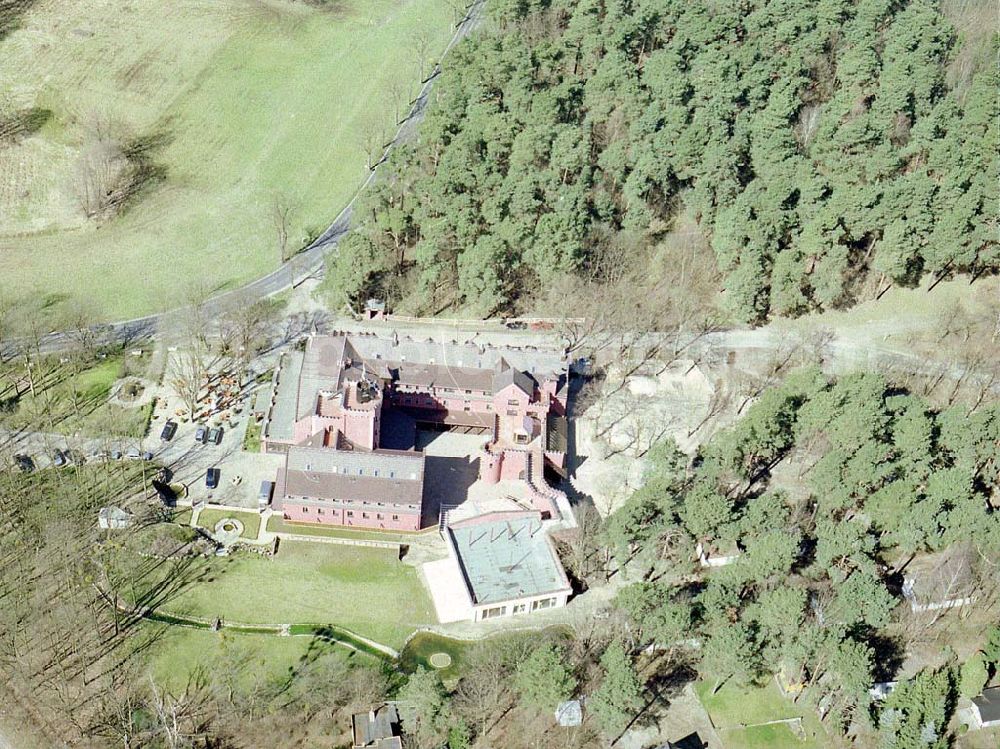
(22,123)
(12,12)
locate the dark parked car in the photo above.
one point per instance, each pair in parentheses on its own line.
(26,464)
(200,434)
(147,455)
(169,430)
(264,495)
(212,478)
(215,435)
(59,458)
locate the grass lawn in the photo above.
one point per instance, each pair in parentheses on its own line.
(180,650)
(778,736)
(67,402)
(734,707)
(422,646)
(251,439)
(234,102)
(367,591)
(278,525)
(983,739)
(251,520)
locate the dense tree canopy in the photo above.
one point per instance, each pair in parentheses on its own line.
(822,145)
(878,476)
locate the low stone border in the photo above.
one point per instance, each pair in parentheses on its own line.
(440,660)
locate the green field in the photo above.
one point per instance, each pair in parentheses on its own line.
(423,645)
(737,711)
(364,590)
(179,651)
(251,520)
(232,101)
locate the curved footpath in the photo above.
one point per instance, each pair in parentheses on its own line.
(310,259)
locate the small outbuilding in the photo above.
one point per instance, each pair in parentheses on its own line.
(113,518)
(882,689)
(986,708)
(691,741)
(569,713)
(375,309)
(377,729)
(717,554)
(945,580)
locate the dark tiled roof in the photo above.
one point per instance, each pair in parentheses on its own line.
(691,741)
(377,732)
(386,476)
(989,704)
(423,375)
(557,433)
(510,376)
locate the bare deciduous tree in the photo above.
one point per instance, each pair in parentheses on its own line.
(102,170)
(420,45)
(243,328)
(282,212)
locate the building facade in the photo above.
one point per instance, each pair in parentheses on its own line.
(328,406)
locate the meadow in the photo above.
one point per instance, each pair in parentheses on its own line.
(749,717)
(225,107)
(366,591)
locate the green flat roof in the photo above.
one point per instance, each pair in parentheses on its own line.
(508,559)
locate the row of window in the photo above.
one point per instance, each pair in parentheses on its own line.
(350,513)
(416,402)
(519,608)
(350,503)
(415,389)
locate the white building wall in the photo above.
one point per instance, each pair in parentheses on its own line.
(519,606)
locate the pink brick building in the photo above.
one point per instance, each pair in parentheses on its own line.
(329,404)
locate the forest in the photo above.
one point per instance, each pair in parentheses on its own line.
(827,150)
(827,492)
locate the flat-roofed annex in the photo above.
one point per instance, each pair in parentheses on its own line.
(508,560)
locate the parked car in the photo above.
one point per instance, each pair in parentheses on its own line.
(147,455)
(212,478)
(59,459)
(168,432)
(26,464)
(215,435)
(133,453)
(76,456)
(116,454)
(201,433)
(100,456)
(264,495)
